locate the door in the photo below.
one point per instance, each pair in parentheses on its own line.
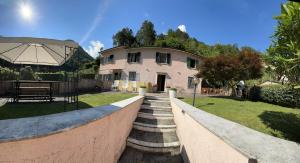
(161,82)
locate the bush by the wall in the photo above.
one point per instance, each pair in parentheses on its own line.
(59,76)
(87,76)
(26,73)
(7,74)
(254,93)
(280,95)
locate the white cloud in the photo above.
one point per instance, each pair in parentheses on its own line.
(94,48)
(182,28)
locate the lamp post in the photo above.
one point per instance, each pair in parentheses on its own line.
(195,82)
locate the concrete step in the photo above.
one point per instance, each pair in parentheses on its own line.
(154,128)
(155,107)
(153,139)
(171,150)
(155,111)
(162,98)
(154,125)
(132,155)
(155,116)
(157,103)
(157,100)
(155,121)
(150,116)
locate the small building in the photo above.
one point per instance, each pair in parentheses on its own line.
(154,67)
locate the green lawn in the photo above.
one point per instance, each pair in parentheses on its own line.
(271,119)
(20,110)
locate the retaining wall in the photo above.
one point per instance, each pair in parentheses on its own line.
(91,135)
(208,138)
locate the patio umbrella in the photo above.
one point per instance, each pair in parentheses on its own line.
(36,51)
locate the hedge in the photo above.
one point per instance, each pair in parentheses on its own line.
(87,76)
(279,95)
(7,74)
(51,76)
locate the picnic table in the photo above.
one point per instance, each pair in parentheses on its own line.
(33,90)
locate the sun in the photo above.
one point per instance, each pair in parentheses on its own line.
(26,11)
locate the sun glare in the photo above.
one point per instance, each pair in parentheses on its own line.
(26,11)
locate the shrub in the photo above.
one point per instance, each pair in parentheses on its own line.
(26,73)
(173,89)
(87,76)
(142,86)
(280,95)
(7,74)
(254,93)
(59,76)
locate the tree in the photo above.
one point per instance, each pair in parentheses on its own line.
(284,52)
(177,39)
(123,37)
(146,35)
(220,49)
(232,68)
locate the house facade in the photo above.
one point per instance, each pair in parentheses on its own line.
(154,67)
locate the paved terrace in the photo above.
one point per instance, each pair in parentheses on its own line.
(102,134)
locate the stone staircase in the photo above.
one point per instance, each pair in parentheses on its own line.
(153,137)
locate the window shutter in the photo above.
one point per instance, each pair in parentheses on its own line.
(188,61)
(168,58)
(197,63)
(138,56)
(128,57)
(157,57)
(137,76)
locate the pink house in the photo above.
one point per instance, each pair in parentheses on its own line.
(155,67)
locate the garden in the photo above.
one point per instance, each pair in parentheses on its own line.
(275,120)
(264,87)
(29,109)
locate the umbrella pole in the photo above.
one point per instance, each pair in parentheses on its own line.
(77,78)
(65,81)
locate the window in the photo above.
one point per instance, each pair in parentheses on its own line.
(132,76)
(133,57)
(190,82)
(110,58)
(107,59)
(163,58)
(117,76)
(192,63)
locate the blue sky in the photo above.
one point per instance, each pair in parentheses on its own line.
(93,22)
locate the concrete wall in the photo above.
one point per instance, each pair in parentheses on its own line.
(200,145)
(177,72)
(208,138)
(91,135)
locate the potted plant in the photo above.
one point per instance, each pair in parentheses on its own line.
(142,90)
(167,88)
(172,92)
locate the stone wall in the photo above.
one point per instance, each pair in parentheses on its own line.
(91,135)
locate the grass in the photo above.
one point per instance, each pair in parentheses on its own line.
(282,122)
(21,110)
